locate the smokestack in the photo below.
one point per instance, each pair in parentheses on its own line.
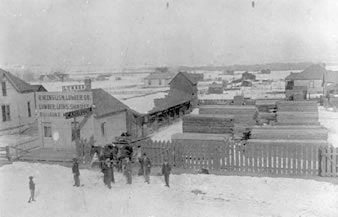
(88,84)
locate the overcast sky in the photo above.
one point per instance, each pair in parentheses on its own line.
(124,33)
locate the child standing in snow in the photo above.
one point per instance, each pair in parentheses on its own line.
(127,170)
(32,189)
(76,172)
(166,169)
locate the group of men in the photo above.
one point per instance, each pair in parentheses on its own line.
(107,168)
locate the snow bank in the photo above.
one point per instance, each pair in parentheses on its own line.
(189,195)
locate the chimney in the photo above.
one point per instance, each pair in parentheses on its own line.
(88,84)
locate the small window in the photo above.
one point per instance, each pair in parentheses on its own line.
(102,128)
(149,82)
(75,131)
(160,82)
(6,114)
(47,129)
(4,89)
(29,109)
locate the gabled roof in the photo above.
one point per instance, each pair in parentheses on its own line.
(313,72)
(38,88)
(106,104)
(188,76)
(160,75)
(331,76)
(18,84)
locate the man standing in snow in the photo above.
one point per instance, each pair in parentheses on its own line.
(146,168)
(166,169)
(32,189)
(127,170)
(140,160)
(76,172)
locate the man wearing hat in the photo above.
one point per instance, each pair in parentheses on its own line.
(31,188)
(76,173)
(166,169)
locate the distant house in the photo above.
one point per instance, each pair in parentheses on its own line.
(248,76)
(311,77)
(215,88)
(246,83)
(57,76)
(49,78)
(61,76)
(158,79)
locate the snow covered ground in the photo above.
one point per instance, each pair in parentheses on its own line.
(189,195)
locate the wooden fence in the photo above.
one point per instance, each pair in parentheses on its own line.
(299,160)
(4,153)
(329,161)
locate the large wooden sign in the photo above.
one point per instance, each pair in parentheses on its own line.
(78,113)
(55,104)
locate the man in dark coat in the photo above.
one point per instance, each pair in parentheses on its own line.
(166,169)
(31,189)
(111,177)
(127,170)
(146,168)
(104,168)
(140,161)
(76,172)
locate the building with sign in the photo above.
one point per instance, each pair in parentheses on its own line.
(51,107)
(67,116)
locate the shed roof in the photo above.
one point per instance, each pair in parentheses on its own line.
(160,75)
(20,85)
(175,97)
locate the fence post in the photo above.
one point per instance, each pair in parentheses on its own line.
(320,161)
(8,155)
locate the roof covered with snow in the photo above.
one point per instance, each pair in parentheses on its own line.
(313,72)
(160,75)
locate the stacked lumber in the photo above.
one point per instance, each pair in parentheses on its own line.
(241,131)
(288,142)
(287,133)
(266,117)
(199,136)
(266,105)
(297,118)
(198,139)
(242,114)
(297,106)
(206,123)
(238,100)
(297,113)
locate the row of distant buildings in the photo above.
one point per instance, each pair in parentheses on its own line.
(313,80)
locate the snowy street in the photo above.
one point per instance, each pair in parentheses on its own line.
(189,195)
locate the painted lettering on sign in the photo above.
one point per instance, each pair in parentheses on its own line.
(55,104)
(78,113)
